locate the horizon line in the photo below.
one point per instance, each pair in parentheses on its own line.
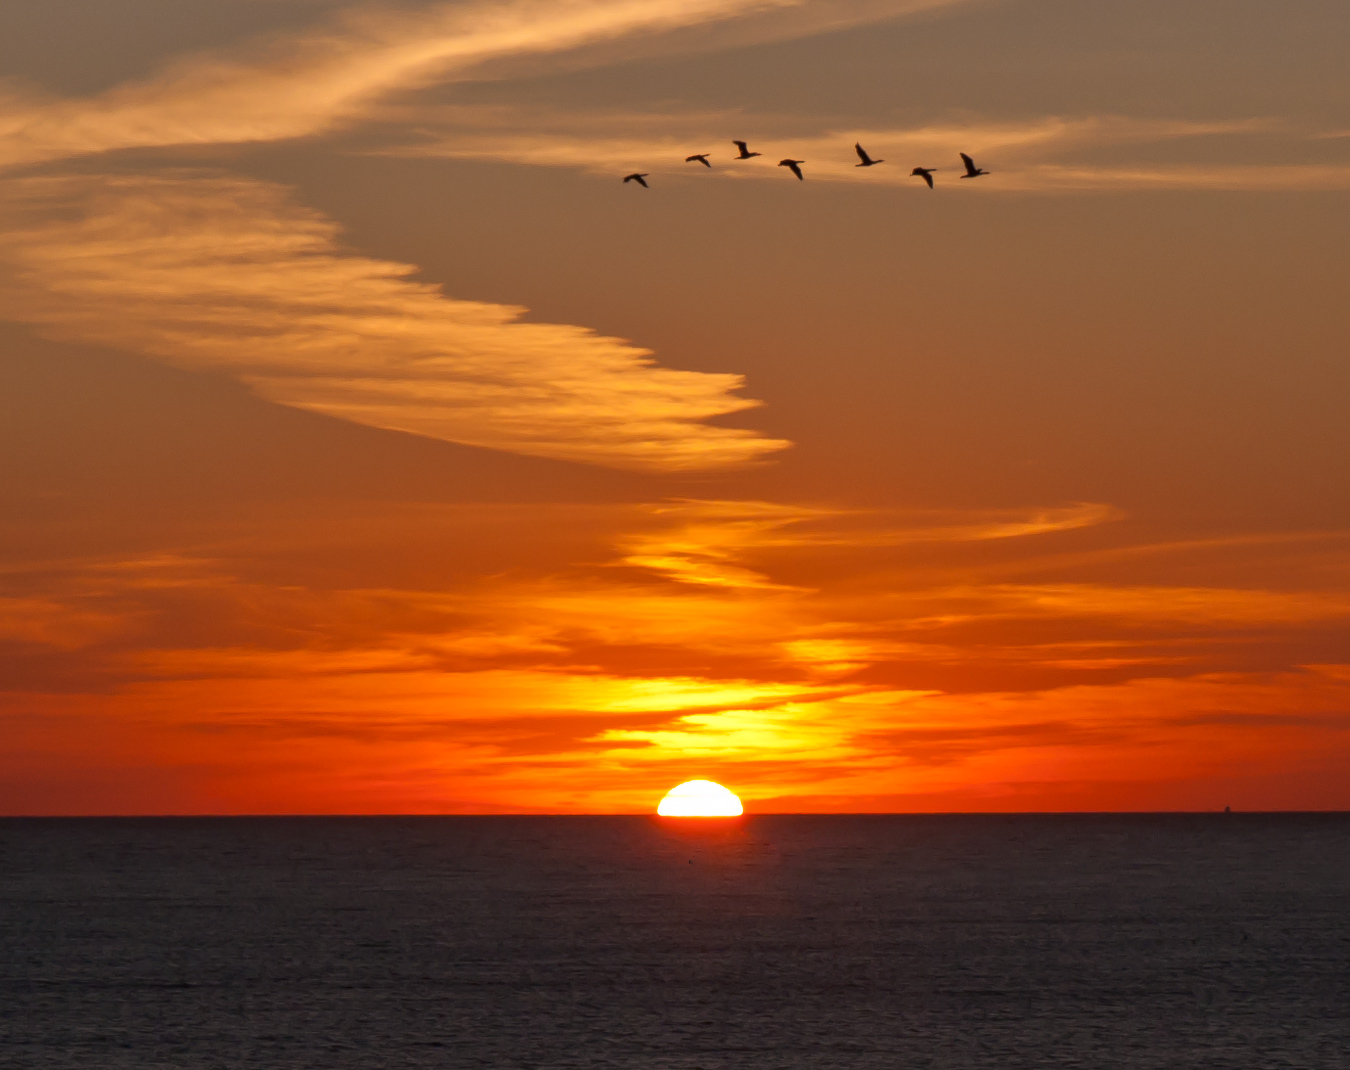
(654,815)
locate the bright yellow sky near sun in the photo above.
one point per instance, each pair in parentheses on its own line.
(369,446)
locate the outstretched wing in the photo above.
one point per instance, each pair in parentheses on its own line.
(740,145)
(927,178)
(862,153)
(970,164)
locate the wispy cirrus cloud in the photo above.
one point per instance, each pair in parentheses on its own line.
(706,542)
(1025,156)
(611,138)
(43,621)
(1236,178)
(570,684)
(1188,605)
(302,84)
(223,273)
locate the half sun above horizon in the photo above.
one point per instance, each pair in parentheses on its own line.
(700,798)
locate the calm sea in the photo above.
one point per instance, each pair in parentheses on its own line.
(857,942)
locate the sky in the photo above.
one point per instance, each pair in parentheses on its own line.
(368,446)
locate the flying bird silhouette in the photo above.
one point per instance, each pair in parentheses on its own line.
(640,179)
(925,173)
(745,153)
(971,170)
(791,165)
(867,161)
(701,157)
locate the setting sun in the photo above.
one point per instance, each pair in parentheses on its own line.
(700,798)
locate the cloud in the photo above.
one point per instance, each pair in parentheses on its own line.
(773,591)
(590,141)
(1237,178)
(299,85)
(1188,605)
(1016,152)
(226,274)
(45,621)
(222,273)
(323,649)
(710,539)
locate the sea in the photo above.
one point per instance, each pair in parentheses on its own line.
(1187,942)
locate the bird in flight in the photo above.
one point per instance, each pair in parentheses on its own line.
(791,165)
(745,153)
(926,173)
(971,170)
(639,178)
(867,161)
(701,157)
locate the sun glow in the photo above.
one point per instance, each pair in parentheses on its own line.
(700,798)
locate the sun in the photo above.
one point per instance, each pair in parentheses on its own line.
(700,798)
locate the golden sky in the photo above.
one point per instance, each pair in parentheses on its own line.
(368,446)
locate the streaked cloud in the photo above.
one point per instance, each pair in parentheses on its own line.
(849,666)
(227,274)
(1191,605)
(1238,178)
(303,84)
(1023,156)
(709,538)
(44,621)
(590,141)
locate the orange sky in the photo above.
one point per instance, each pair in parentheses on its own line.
(369,447)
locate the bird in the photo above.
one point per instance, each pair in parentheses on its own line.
(639,178)
(925,173)
(701,157)
(745,153)
(971,170)
(867,161)
(791,165)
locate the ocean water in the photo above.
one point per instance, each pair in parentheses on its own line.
(894,942)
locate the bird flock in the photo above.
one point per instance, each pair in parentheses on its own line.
(795,166)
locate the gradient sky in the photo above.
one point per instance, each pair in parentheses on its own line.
(368,446)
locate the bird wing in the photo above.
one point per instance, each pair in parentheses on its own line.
(643,182)
(740,145)
(862,153)
(929,179)
(970,164)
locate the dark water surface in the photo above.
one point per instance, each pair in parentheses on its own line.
(896,942)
